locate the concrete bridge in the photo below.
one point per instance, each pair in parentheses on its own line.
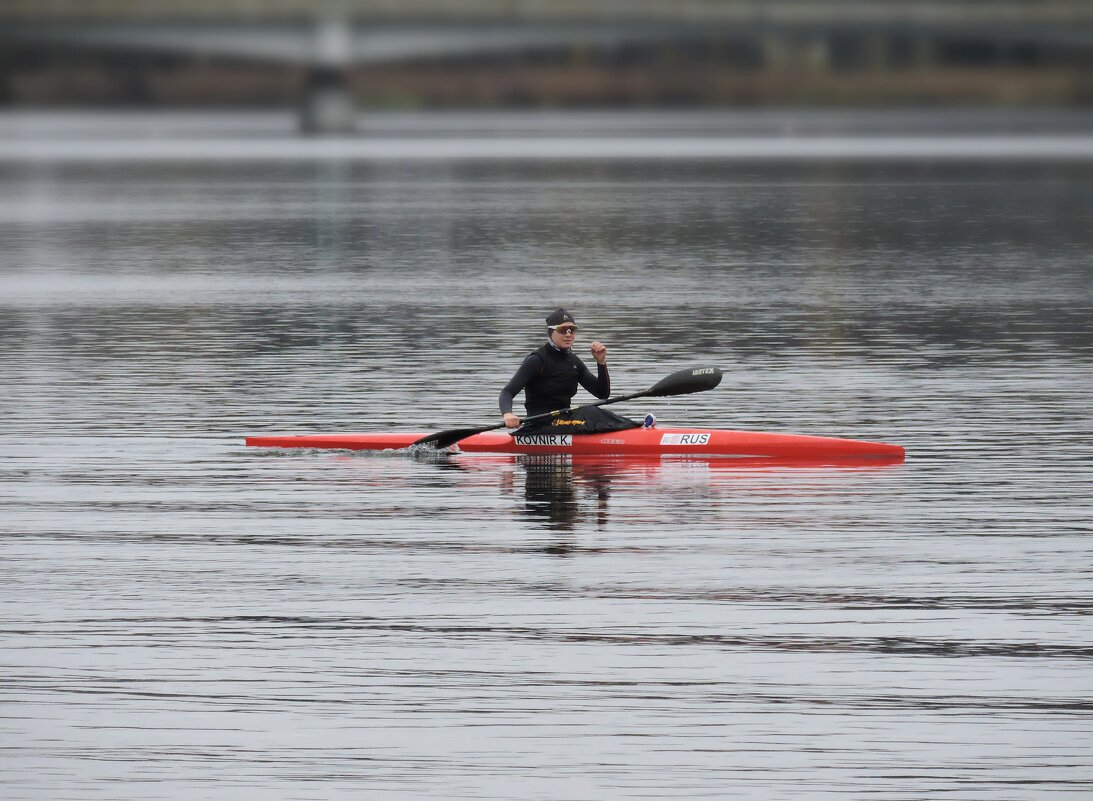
(333,35)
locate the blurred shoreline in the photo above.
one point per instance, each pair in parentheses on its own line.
(529,87)
(784,121)
(788,134)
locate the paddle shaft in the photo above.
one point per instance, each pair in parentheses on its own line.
(562,412)
(443,439)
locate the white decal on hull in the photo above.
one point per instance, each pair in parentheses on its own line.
(685,439)
(545,440)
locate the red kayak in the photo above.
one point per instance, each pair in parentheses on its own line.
(694,442)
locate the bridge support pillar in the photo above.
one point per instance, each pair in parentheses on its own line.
(923,53)
(327,105)
(795,53)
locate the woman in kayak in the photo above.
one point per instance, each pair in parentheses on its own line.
(549,375)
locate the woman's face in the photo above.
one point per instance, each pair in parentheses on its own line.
(563,335)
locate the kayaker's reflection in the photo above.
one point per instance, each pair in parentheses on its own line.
(555,489)
(559,493)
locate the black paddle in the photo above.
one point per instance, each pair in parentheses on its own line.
(683,382)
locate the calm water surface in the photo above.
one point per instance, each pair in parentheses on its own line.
(182,617)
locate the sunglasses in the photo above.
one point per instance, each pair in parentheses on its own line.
(567,330)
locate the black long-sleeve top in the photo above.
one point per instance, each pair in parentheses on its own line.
(549,377)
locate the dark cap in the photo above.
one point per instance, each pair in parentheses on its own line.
(559,316)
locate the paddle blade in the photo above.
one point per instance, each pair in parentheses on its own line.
(693,379)
(445,439)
